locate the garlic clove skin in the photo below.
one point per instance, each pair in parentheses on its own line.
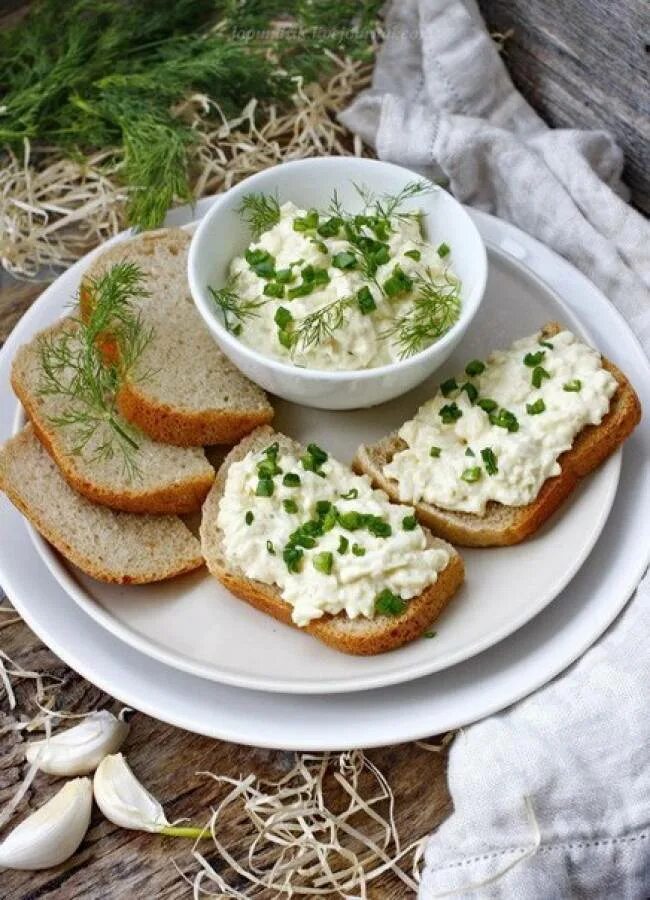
(52,834)
(123,800)
(80,749)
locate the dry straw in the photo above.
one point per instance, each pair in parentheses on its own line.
(54,209)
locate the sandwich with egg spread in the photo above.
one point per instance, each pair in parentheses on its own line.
(500,446)
(300,537)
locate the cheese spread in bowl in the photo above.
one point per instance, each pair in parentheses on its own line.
(337,282)
(331,290)
(495,431)
(325,537)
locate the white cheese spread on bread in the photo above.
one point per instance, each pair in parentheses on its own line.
(327,292)
(323,536)
(496,431)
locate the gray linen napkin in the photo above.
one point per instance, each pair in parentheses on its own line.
(564,773)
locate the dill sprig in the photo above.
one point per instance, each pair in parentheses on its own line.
(109,74)
(387,205)
(436,306)
(86,362)
(235,309)
(314,328)
(260,211)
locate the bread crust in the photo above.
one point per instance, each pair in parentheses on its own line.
(363,637)
(592,446)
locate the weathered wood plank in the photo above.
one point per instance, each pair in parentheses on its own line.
(585,64)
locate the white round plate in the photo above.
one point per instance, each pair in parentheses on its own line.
(196,625)
(451,698)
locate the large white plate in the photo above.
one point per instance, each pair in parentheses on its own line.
(194,624)
(451,698)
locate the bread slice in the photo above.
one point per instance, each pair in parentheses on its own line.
(110,546)
(357,636)
(192,394)
(505,525)
(171,479)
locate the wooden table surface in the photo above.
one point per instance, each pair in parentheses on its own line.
(113,863)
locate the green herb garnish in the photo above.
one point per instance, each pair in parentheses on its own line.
(249,518)
(572,386)
(321,324)
(448,387)
(261,262)
(539,373)
(487,405)
(344,260)
(265,487)
(291,479)
(357,550)
(444,250)
(352,494)
(436,307)
(397,283)
(365,300)
(344,543)
(314,458)
(469,452)
(409,523)
(534,359)
(306,223)
(235,310)
(534,409)
(389,604)
(490,460)
(274,289)
(472,475)
(270,548)
(290,506)
(430,634)
(260,212)
(543,343)
(413,254)
(323,562)
(292,556)
(434,452)
(471,391)
(475,367)
(505,419)
(450,413)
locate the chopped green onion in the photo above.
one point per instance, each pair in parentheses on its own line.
(358,551)
(315,275)
(293,557)
(290,506)
(304,223)
(352,494)
(505,419)
(487,405)
(534,359)
(545,344)
(389,604)
(331,227)
(284,276)
(409,523)
(344,260)
(539,374)
(572,386)
(450,413)
(313,459)
(300,290)
(286,338)
(282,317)
(490,461)
(471,391)
(351,521)
(249,518)
(434,452)
(534,409)
(449,386)
(430,634)
(261,262)
(291,479)
(365,300)
(471,475)
(323,507)
(413,254)
(474,367)
(323,562)
(273,289)
(377,526)
(469,452)
(397,283)
(444,250)
(264,487)
(344,543)
(270,548)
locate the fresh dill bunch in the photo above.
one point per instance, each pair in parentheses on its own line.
(315,327)
(235,310)
(86,362)
(436,307)
(260,212)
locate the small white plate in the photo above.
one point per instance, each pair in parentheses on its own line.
(194,624)
(448,699)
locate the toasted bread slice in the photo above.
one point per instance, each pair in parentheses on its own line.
(505,525)
(357,636)
(110,546)
(171,479)
(192,394)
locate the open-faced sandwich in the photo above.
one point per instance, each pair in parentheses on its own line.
(494,453)
(299,536)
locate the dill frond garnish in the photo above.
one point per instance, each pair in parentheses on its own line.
(235,310)
(86,362)
(314,328)
(436,306)
(260,212)
(387,205)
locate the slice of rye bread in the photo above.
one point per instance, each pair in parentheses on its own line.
(117,547)
(191,395)
(357,636)
(171,480)
(505,525)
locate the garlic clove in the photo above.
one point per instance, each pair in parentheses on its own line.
(51,834)
(80,749)
(123,800)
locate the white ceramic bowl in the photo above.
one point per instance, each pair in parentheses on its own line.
(223,235)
